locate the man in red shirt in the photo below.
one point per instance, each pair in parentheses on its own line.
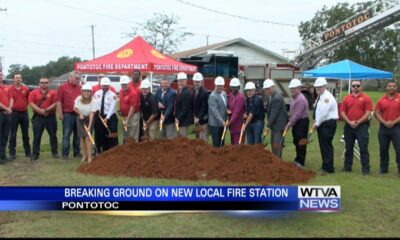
(19,116)
(129,102)
(6,103)
(97,87)
(43,102)
(66,96)
(387,111)
(356,109)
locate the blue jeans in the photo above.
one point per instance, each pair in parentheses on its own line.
(69,127)
(254,132)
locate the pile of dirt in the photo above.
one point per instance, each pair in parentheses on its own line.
(186,159)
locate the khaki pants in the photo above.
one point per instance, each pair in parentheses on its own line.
(183,131)
(168,131)
(153,130)
(203,135)
(134,126)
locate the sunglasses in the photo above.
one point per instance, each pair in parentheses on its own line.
(44,83)
(356,86)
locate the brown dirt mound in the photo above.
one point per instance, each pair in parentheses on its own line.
(186,159)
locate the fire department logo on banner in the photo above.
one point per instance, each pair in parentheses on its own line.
(157,54)
(125,53)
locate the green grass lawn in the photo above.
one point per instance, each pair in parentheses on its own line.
(370,204)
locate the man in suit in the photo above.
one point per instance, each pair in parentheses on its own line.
(217,106)
(276,115)
(200,108)
(183,106)
(166,98)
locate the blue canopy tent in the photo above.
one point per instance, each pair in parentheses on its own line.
(347,70)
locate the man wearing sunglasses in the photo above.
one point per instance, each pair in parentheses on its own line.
(355,110)
(43,103)
(387,111)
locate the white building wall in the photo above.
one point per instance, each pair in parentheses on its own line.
(250,56)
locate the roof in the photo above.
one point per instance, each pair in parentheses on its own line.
(61,78)
(135,55)
(204,49)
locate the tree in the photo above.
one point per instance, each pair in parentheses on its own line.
(162,32)
(380,49)
(52,69)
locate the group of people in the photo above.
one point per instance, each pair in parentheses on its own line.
(169,113)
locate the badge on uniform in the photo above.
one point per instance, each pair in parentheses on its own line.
(326,100)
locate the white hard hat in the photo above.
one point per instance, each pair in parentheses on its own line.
(219,81)
(198,77)
(181,76)
(319,82)
(234,82)
(105,81)
(145,83)
(295,83)
(249,86)
(268,83)
(86,87)
(124,79)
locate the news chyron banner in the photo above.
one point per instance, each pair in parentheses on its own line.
(171,198)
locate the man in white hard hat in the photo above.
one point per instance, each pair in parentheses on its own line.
(183,105)
(200,107)
(149,109)
(255,114)
(325,115)
(217,106)
(129,104)
(276,115)
(107,104)
(299,121)
(237,108)
(97,87)
(165,97)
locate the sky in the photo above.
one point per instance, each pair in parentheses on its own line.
(34,32)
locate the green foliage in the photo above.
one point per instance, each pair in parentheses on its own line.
(52,69)
(380,49)
(162,32)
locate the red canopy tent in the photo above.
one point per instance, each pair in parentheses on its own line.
(136,55)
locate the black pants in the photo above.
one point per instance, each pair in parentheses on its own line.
(300,131)
(216,134)
(360,134)
(385,135)
(40,123)
(103,143)
(4,133)
(326,132)
(22,119)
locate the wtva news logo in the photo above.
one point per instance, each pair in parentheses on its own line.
(319,198)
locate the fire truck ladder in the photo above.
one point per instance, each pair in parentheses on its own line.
(312,51)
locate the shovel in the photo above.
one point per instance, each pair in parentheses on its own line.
(303,141)
(265,133)
(283,139)
(145,136)
(224,132)
(161,122)
(110,135)
(91,138)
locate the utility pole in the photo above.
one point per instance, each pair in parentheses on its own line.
(94,55)
(207,36)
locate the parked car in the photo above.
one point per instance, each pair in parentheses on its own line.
(93,80)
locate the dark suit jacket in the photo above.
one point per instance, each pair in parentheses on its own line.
(276,113)
(200,107)
(184,107)
(168,101)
